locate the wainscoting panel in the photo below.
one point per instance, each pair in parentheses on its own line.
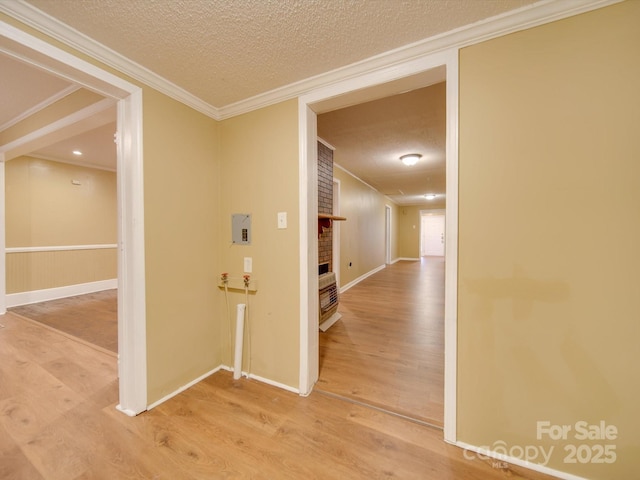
(53,267)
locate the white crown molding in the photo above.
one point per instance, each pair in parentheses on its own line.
(36,108)
(31,16)
(536,14)
(533,15)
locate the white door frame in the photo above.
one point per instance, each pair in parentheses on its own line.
(335,241)
(387,234)
(132,363)
(309,349)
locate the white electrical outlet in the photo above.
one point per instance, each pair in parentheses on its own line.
(282,219)
(248,264)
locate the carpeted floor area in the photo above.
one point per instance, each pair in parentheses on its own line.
(93,318)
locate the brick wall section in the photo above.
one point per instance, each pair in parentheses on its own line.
(325,201)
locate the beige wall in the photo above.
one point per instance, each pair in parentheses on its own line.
(409,231)
(362,240)
(260,170)
(549,224)
(182,212)
(43,208)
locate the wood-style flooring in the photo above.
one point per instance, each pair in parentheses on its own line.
(92,318)
(387,350)
(58,421)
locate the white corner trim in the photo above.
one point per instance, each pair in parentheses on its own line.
(361,278)
(485,452)
(183,388)
(36,296)
(36,108)
(33,17)
(509,22)
(451,254)
(308,252)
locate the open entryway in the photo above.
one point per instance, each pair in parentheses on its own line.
(327,100)
(130,245)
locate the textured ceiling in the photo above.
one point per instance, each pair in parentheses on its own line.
(224,51)
(370,138)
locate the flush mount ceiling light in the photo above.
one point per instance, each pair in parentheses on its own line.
(77,152)
(410,158)
(430,196)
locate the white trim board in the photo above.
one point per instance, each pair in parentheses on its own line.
(37,296)
(251,376)
(61,248)
(183,388)
(361,278)
(512,21)
(517,461)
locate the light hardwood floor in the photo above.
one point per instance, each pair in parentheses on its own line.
(58,421)
(387,350)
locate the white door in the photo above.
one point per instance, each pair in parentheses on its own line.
(432,237)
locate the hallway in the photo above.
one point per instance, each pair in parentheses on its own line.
(387,351)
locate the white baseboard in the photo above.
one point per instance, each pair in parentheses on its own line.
(407,259)
(518,461)
(273,383)
(184,387)
(361,278)
(35,296)
(129,413)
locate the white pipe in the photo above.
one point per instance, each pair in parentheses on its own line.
(237,365)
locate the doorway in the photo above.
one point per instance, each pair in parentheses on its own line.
(131,272)
(432,234)
(372,85)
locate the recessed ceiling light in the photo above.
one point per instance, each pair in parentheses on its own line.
(77,152)
(410,159)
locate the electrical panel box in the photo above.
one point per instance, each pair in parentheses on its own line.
(241,229)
